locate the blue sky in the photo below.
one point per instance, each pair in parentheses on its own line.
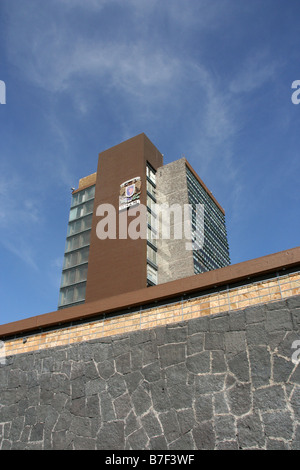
(208,79)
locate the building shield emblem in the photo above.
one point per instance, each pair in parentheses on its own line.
(130,190)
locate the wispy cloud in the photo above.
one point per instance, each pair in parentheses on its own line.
(61,59)
(22,250)
(257,70)
(69,59)
(19,215)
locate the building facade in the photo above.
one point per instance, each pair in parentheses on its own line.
(132,184)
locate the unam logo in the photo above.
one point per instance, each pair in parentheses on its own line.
(2,92)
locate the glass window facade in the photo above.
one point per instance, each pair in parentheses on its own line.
(151,241)
(151,275)
(215,251)
(80,225)
(75,265)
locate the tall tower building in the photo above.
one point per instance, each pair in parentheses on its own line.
(131,175)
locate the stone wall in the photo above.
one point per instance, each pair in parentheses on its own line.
(222,381)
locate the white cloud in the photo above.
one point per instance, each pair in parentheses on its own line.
(86,4)
(139,68)
(257,69)
(58,57)
(22,250)
(19,215)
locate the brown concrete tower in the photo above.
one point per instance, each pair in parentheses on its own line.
(119,265)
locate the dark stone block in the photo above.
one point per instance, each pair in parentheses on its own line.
(106,407)
(181,396)
(276,444)
(293,302)
(81,426)
(237,320)
(151,372)
(171,354)
(93,387)
(204,408)
(176,374)
(137,357)
(219,323)
(269,398)
(133,380)
(220,403)
(149,352)
(235,343)
(209,383)
(31,416)
(199,363)
(106,369)
(295,377)
(138,439)
(227,445)
(282,369)
(240,399)
(295,404)
(170,425)
(77,388)
(186,420)
(218,362)
(225,428)
(123,363)
(122,406)
(120,345)
(160,396)
(204,436)
(260,363)
(158,443)
(255,313)
(90,371)
(111,436)
(257,334)
(195,343)
(214,341)
(176,334)
(250,432)
(239,366)
(102,351)
(185,442)
(92,406)
(296,318)
(78,407)
(151,424)
(63,422)
(141,400)
(278,424)
(116,385)
(131,423)
(84,443)
(16,429)
(198,325)
(37,432)
(279,320)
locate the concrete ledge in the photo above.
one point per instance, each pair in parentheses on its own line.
(163,292)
